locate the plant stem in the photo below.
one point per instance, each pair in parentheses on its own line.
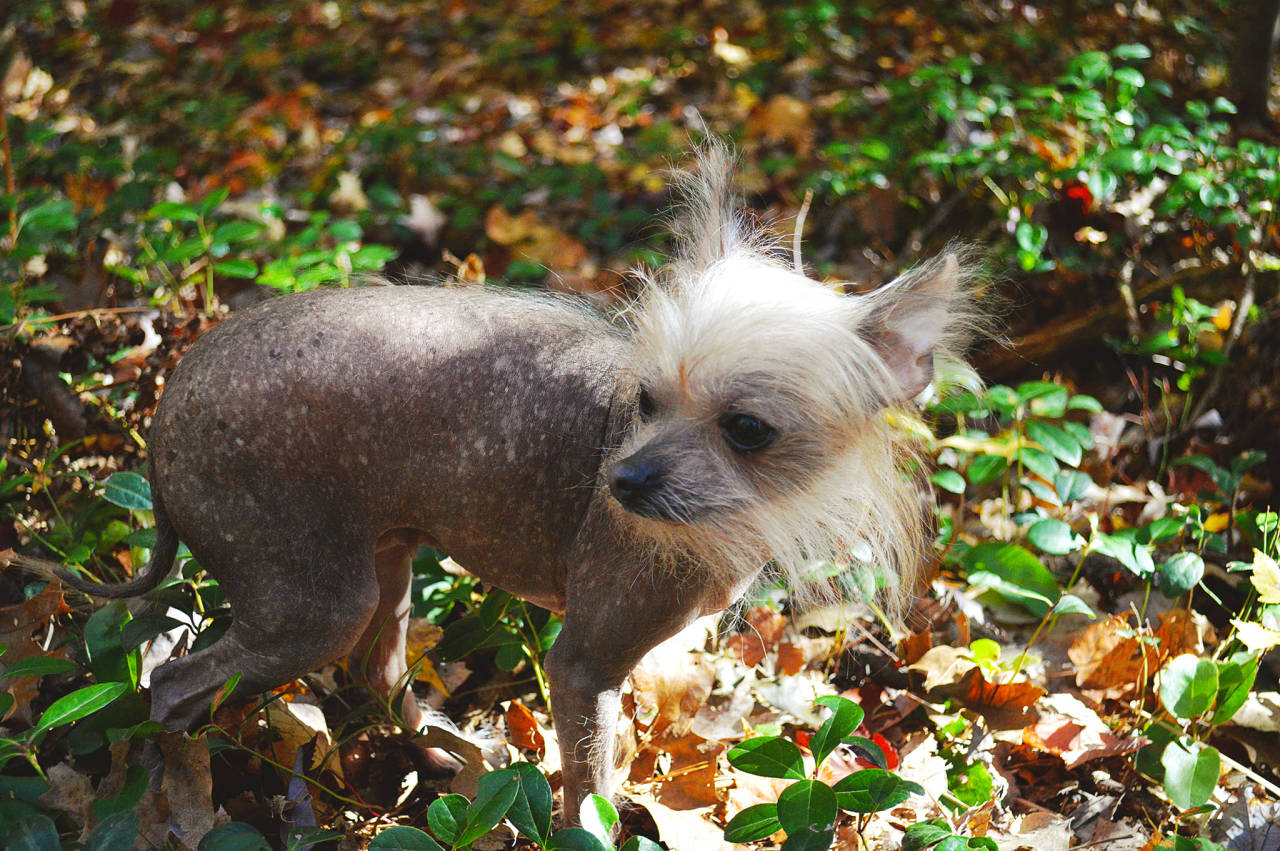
(10,186)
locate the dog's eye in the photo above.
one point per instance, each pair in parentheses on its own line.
(746,433)
(645,404)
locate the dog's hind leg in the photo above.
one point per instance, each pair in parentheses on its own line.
(378,658)
(295,606)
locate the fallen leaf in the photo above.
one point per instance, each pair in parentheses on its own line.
(522,728)
(764,628)
(299,723)
(69,791)
(532,240)
(1266,577)
(349,196)
(950,673)
(783,118)
(187,786)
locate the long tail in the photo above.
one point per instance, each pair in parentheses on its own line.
(162,556)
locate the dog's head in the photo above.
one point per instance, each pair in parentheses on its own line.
(763,403)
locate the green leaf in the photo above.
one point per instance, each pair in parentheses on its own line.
(1081,402)
(1190,772)
(404,839)
(1188,686)
(1235,680)
(495,793)
(807,806)
(868,750)
(844,719)
(38,666)
(233,232)
(768,756)
(1127,551)
(174,211)
(530,812)
(575,839)
(986,468)
(1179,574)
(1038,462)
(640,843)
(115,832)
(78,704)
(925,834)
(1071,485)
(1130,76)
(598,817)
(874,789)
(1043,398)
(236,269)
(1070,604)
(1015,565)
(236,836)
(48,219)
(213,200)
(1054,537)
(1060,444)
(753,823)
(145,627)
(1132,51)
(128,490)
(948,480)
(32,832)
(446,815)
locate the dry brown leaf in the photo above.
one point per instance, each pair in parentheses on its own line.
(791,659)
(783,118)
(19,627)
(1075,733)
(764,628)
(531,239)
(187,786)
(1111,657)
(912,647)
(298,723)
(690,780)
(949,672)
(522,728)
(669,686)
(69,791)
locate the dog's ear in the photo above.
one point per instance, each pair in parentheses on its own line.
(907,319)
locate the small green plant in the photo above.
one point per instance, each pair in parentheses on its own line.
(938,835)
(807,809)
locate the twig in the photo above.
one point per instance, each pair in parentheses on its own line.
(799,231)
(10,187)
(78,314)
(1237,327)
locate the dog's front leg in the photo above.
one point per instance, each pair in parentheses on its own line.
(608,628)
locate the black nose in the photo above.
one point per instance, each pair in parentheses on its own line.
(631,479)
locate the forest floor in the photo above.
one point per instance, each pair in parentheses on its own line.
(1092,665)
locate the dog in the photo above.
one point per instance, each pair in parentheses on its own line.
(630,472)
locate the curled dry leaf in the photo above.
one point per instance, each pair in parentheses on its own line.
(950,672)
(187,785)
(764,629)
(522,728)
(299,723)
(532,240)
(1111,657)
(1070,729)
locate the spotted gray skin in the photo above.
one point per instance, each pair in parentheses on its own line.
(305,448)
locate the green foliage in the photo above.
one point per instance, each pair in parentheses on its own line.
(807,809)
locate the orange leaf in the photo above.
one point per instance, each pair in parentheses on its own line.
(522,728)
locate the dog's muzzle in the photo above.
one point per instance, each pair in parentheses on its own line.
(637,484)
